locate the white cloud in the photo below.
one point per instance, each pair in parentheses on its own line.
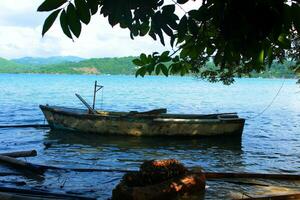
(20,35)
(99,39)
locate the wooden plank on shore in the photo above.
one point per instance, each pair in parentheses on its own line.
(209,175)
(272,197)
(17,154)
(42,193)
(13,196)
(25,126)
(222,175)
(19,164)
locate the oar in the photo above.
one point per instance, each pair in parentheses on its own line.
(91,110)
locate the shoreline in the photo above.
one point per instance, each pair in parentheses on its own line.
(89,74)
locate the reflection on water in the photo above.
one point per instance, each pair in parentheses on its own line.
(185,143)
(129,152)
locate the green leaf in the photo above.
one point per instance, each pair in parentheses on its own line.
(182,1)
(172,40)
(155,53)
(64,24)
(49,5)
(161,37)
(175,59)
(141,72)
(138,62)
(157,69)
(144,28)
(152,34)
(168,9)
(167,30)
(165,54)
(182,27)
(270,56)
(73,20)
(284,42)
(156,27)
(287,15)
(193,27)
(164,57)
(296,16)
(183,70)
(83,11)
(164,69)
(261,57)
(150,68)
(175,67)
(297,70)
(143,58)
(49,21)
(93,5)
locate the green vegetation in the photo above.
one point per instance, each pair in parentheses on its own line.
(7,66)
(277,70)
(90,66)
(113,66)
(121,65)
(240,37)
(46,61)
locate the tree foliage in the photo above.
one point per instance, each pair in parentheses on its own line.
(238,36)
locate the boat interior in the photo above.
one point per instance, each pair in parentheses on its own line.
(161,113)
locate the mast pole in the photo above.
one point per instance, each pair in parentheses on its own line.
(94,99)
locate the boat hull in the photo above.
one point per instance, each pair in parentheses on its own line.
(60,119)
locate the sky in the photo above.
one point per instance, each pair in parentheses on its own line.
(21,27)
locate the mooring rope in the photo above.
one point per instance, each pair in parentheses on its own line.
(269,105)
(102,98)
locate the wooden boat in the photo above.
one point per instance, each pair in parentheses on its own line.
(151,123)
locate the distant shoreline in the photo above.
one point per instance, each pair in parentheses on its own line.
(133,75)
(106,66)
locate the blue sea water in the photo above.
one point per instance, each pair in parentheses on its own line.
(270,142)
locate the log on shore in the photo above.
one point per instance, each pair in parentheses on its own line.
(209,175)
(13,196)
(272,197)
(246,183)
(41,193)
(19,164)
(18,154)
(25,126)
(222,175)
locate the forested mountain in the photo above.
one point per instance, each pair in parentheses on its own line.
(47,61)
(121,65)
(7,66)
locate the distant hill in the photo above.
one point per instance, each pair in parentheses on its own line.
(7,66)
(113,66)
(122,65)
(46,61)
